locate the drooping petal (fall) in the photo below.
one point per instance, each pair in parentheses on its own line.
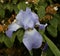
(11,28)
(32,39)
(9,33)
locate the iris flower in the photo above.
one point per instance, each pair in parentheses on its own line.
(27,20)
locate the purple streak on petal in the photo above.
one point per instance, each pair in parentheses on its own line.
(42,27)
(32,39)
(9,33)
(45,47)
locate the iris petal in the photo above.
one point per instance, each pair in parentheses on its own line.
(32,39)
(13,27)
(42,26)
(27,21)
(28,10)
(19,15)
(35,18)
(9,33)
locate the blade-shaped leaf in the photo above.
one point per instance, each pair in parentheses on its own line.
(12,39)
(48,52)
(52,46)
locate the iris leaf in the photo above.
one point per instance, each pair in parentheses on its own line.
(20,34)
(52,46)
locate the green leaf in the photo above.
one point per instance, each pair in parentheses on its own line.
(8,6)
(2,12)
(7,42)
(58,18)
(22,6)
(12,39)
(49,52)
(41,11)
(52,30)
(1,5)
(42,2)
(1,38)
(31,53)
(54,22)
(43,53)
(20,34)
(14,1)
(15,9)
(52,46)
